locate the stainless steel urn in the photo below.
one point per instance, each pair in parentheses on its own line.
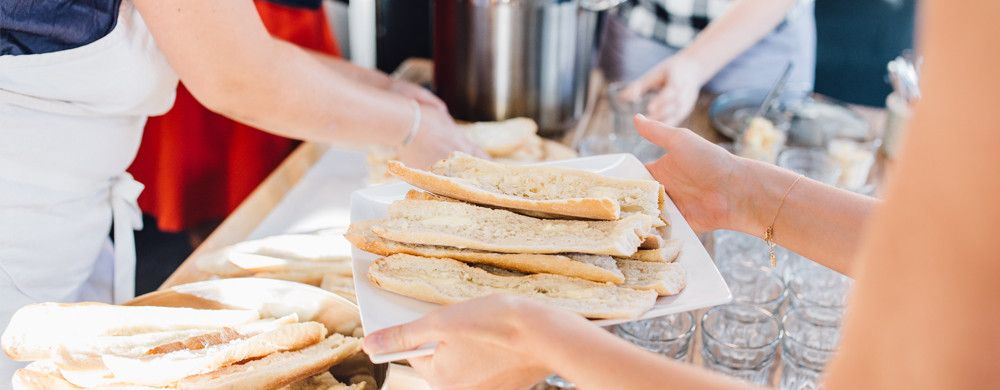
(499,59)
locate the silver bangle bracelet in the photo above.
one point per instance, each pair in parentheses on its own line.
(415,128)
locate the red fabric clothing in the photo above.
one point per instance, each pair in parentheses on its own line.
(199,166)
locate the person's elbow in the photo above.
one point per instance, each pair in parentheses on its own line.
(225,93)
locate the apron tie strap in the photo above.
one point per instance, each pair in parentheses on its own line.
(127,218)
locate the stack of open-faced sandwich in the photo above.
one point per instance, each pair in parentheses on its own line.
(320,259)
(593,244)
(98,346)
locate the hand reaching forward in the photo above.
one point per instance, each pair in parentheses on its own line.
(437,138)
(703,179)
(676,81)
(481,343)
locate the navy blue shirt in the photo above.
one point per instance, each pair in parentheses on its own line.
(45,26)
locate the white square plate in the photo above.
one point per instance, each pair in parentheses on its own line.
(381,309)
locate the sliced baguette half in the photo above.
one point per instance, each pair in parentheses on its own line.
(281,253)
(595,268)
(85,354)
(664,278)
(421,195)
(44,375)
(501,138)
(278,369)
(447,281)
(260,263)
(462,225)
(35,331)
(167,368)
(561,191)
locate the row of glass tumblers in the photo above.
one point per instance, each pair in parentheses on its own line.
(787,317)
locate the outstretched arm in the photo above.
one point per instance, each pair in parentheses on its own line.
(680,77)
(230,63)
(512,342)
(717,190)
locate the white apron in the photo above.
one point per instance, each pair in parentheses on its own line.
(70,124)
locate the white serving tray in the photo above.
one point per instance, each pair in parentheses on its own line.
(381,309)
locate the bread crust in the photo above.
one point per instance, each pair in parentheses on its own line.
(165,369)
(361,235)
(410,221)
(277,370)
(664,278)
(398,274)
(591,208)
(35,331)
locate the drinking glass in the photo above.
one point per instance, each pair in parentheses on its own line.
(811,284)
(815,164)
(740,340)
(623,138)
(734,247)
(811,338)
(669,335)
(756,285)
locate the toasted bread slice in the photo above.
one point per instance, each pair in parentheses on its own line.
(167,368)
(259,263)
(664,278)
(44,375)
(278,369)
(280,254)
(421,195)
(595,268)
(447,281)
(461,225)
(553,190)
(501,138)
(35,331)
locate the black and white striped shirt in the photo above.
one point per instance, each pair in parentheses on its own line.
(673,22)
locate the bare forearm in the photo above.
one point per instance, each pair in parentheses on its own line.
(360,74)
(592,358)
(741,26)
(817,221)
(295,95)
(230,63)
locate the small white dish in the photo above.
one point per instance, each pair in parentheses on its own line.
(381,309)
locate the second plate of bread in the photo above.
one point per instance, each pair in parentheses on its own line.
(596,236)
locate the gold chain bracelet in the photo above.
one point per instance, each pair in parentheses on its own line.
(769,233)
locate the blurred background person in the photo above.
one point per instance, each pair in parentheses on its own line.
(674,48)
